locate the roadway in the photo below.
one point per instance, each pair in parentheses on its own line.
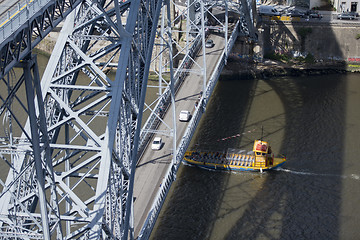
(5,5)
(328,17)
(153,165)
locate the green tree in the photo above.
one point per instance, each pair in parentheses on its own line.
(303,33)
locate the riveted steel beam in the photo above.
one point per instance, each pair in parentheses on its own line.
(27,27)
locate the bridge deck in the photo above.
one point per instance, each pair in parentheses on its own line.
(153,165)
(5,5)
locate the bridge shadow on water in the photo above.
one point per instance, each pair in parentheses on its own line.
(302,203)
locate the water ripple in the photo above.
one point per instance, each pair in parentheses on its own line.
(352,176)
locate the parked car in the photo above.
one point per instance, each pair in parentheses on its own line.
(313,14)
(295,13)
(184,116)
(355,14)
(209,43)
(346,15)
(266,10)
(157,143)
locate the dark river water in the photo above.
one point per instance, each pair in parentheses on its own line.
(315,122)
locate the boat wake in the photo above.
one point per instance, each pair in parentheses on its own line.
(352,176)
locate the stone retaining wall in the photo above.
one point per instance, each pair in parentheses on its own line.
(269,69)
(323,40)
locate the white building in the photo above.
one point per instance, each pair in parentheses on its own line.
(347,5)
(340,5)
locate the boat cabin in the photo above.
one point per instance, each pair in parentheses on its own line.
(262,153)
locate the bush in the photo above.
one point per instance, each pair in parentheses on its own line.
(303,32)
(276,57)
(309,58)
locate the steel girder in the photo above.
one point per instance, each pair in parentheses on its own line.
(72,163)
(16,216)
(27,27)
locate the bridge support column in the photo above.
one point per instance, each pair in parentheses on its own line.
(40,145)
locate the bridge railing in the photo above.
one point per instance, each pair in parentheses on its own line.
(17,15)
(171,173)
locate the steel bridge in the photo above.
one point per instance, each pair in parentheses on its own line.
(71,141)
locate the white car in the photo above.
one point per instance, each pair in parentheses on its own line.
(347,15)
(157,143)
(268,10)
(209,43)
(184,116)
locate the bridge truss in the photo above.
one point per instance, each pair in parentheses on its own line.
(71,141)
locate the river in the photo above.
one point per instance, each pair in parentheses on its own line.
(314,122)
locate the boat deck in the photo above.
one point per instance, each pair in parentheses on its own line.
(222,158)
(233,161)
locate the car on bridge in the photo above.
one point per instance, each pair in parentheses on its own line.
(157,143)
(209,43)
(184,116)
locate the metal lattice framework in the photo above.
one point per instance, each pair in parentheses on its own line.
(71,142)
(71,169)
(27,26)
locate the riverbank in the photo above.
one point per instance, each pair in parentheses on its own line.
(253,70)
(270,68)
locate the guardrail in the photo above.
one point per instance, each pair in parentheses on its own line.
(171,173)
(17,15)
(12,10)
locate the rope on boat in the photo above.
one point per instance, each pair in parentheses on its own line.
(236,135)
